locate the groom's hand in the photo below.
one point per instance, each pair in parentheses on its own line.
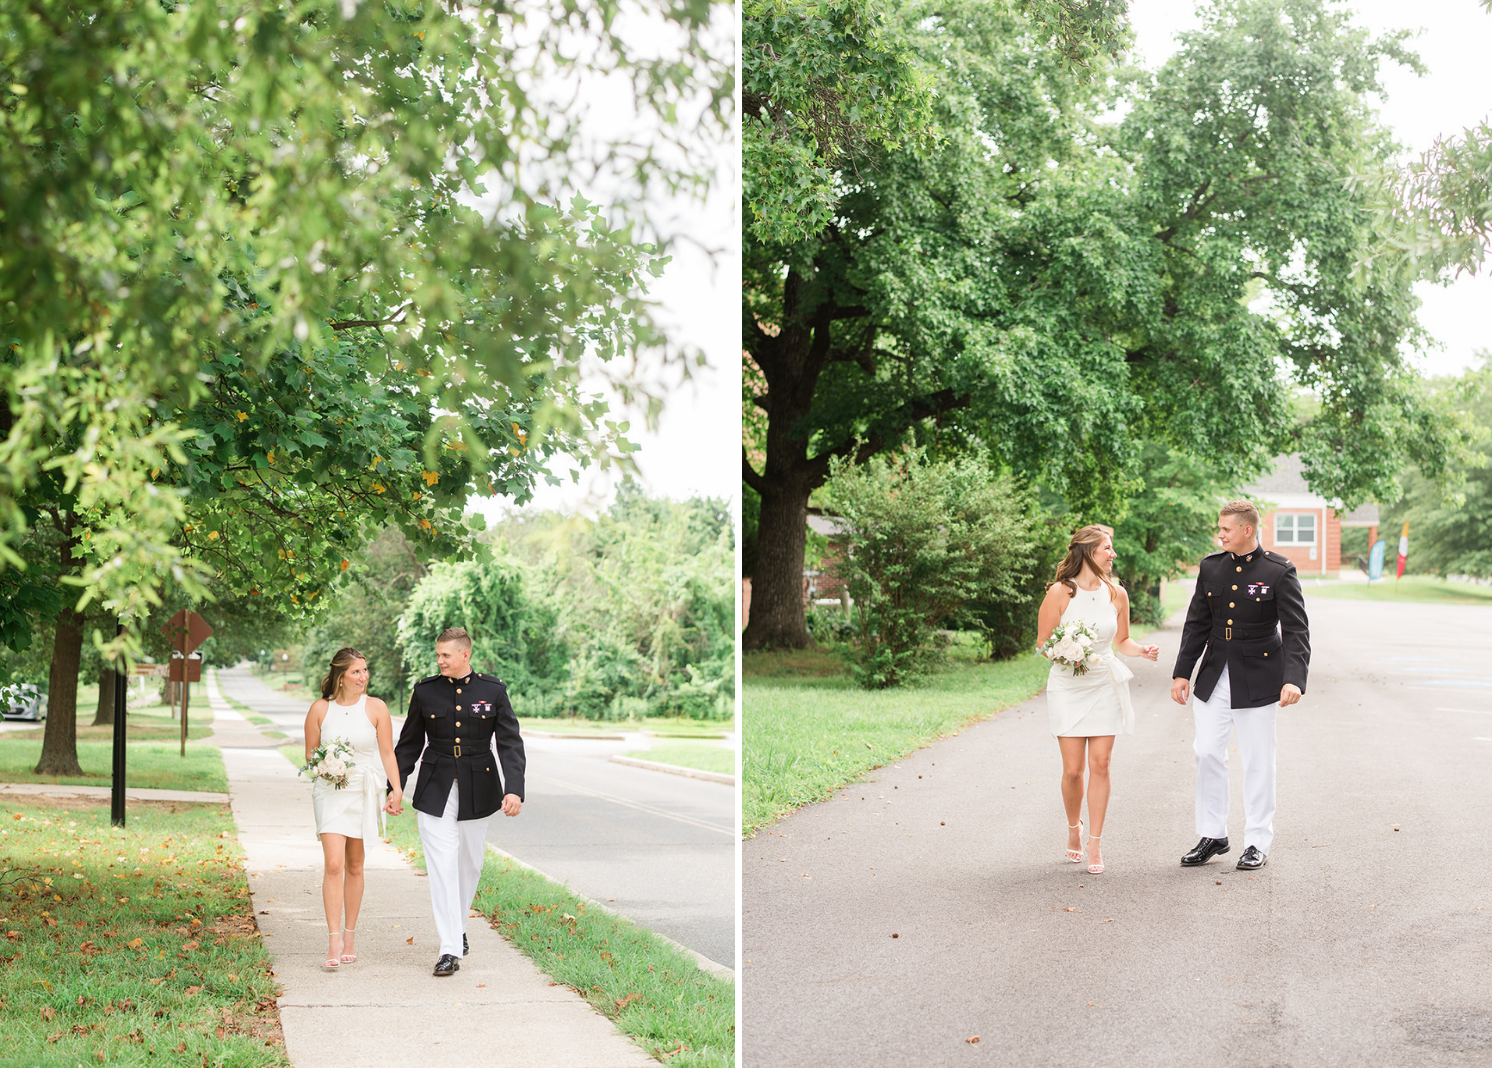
(510,804)
(1290,695)
(1180,691)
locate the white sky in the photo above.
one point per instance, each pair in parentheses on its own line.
(1457,92)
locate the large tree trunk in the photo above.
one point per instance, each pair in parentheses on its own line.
(104,711)
(778,613)
(60,740)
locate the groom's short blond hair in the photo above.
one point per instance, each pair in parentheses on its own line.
(458,636)
(1243,511)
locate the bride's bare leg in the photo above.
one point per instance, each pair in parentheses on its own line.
(1100,749)
(354,887)
(1072,786)
(333,887)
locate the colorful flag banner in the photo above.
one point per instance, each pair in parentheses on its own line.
(1377,560)
(1401,551)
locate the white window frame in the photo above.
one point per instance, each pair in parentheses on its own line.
(1297,527)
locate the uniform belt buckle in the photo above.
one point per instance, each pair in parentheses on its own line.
(457,750)
(1226,634)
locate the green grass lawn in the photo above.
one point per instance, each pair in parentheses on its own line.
(148,765)
(1174,598)
(704,756)
(809,730)
(131,945)
(1423,589)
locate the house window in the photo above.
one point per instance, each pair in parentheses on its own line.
(1296,528)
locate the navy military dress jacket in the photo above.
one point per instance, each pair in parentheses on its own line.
(450,724)
(1246,613)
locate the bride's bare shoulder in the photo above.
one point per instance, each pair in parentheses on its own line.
(377,706)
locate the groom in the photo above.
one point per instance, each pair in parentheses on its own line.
(1249,670)
(456,714)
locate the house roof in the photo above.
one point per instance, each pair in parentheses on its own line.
(1284,485)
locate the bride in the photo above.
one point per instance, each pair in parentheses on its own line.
(347,817)
(1087,711)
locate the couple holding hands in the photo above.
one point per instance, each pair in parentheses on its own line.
(1246,621)
(462,726)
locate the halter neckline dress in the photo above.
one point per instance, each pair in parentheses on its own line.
(1098,702)
(355,811)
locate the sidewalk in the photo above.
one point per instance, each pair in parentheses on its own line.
(497,1012)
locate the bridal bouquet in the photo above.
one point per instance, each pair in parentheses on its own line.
(1071,646)
(332,762)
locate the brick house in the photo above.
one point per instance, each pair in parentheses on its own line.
(1306,528)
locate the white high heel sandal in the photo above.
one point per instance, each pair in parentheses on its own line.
(347,958)
(1074,855)
(1097,869)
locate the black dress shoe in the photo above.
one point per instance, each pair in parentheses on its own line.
(1253,858)
(466,945)
(1204,851)
(447,964)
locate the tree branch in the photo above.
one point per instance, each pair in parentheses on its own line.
(755,481)
(398,316)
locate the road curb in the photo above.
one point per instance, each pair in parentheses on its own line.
(673,769)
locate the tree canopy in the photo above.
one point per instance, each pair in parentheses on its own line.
(203,202)
(251,311)
(1078,266)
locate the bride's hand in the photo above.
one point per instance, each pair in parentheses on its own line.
(393,803)
(1149,651)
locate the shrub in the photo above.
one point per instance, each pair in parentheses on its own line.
(926,542)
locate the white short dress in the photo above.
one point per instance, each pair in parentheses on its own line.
(1097,702)
(355,810)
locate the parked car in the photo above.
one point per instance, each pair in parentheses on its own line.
(22,700)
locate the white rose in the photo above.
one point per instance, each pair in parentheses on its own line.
(336,767)
(1068,649)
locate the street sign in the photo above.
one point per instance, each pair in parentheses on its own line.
(187,630)
(194,668)
(149,671)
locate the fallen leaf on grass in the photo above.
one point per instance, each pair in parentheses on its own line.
(192,990)
(48,1012)
(134,943)
(620,1003)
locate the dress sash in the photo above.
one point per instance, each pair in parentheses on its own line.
(1121,676)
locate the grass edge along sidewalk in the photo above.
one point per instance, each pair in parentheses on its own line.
(809,730)
(130,945)
(651,991)
(149,765)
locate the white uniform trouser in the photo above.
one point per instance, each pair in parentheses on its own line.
(1256,728)
(454,849)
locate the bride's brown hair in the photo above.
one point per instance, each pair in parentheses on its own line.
(1081,555)
(337,667)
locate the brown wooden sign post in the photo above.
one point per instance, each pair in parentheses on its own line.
(187,631)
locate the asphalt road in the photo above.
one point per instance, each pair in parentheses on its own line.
(656,847)
(1365,940)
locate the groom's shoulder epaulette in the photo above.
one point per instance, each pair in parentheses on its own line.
(1277,558)
(424,682)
